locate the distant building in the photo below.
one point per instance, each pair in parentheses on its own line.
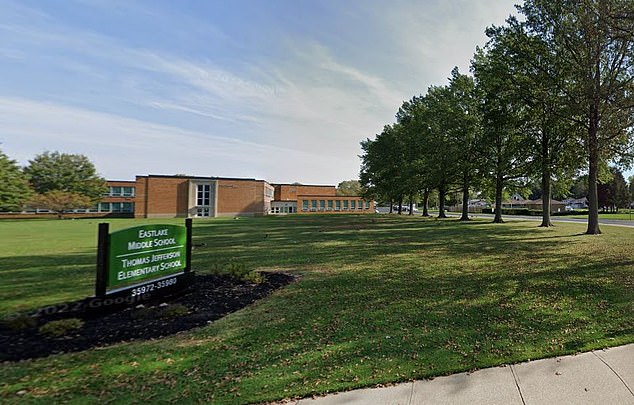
(159,196)
(517,202)
(185,196)
(163,196)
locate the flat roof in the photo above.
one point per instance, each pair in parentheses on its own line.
(178,176)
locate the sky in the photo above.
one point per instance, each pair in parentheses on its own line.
(282,91)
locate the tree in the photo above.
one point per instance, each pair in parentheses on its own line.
(594,43)
(381,174)
(76,174)
(465,133)
(505,144)
(60,201)
(613,194)
(631,190)
(14,186)
(551,136)
(349,188)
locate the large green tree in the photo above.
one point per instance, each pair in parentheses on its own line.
(349,188)
(593,41)
(381,176)
(59,201)
(464,127)
(14,186)
(505,143)
(544,117)
(71,173)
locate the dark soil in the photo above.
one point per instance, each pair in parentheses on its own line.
(209,298)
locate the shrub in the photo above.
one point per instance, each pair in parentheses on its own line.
(61,327)
(238,270)
(19,322)
(144,313)
(174,311)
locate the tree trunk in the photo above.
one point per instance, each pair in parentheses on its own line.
(391,206)
(546,192)
(426,202)
(441,202)
(499,186)
(465,198)
(593,155)
(411,204)
(400,205)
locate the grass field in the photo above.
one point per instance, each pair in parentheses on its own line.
(621,216)
(380,299)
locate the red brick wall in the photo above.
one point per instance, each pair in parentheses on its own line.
(161,196)
(240,197)
(290,192)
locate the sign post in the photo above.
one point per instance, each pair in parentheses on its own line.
(143,261)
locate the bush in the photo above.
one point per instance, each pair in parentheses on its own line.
(174,311)
(144,313)
(61,327)
(573,212)
(19,322)
(238,270)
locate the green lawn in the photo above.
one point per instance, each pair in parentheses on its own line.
(621,216)
(380,299)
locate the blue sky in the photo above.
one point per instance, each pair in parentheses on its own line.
(276,90)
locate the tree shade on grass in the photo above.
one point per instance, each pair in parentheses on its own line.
(380,299)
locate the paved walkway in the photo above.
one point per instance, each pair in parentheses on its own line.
(598,377)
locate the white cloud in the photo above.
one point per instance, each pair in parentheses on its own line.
(304,114)
(123,147)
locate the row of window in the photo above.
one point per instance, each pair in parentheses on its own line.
(334,205)
(116,191)
(282,210)
(117,207)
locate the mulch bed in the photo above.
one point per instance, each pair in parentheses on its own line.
(209,298)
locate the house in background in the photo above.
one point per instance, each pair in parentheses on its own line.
(576,203)
(517,201)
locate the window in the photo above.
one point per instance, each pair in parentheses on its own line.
(128,191)
(202,212)
(329,205)
(337,205)
(345,204)
(353,204)
(104,207)
(360,205)
(313,205)
(322,205)
(304,205)
(203,194)
(127,207)
(367,205)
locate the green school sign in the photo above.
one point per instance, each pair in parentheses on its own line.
(142,255)
(146,252)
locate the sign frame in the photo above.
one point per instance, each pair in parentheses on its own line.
(143,289)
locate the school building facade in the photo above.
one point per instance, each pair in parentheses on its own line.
(163,196)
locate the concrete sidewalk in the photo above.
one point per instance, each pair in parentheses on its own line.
(597,377)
